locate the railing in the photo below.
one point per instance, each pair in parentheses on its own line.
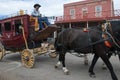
(21,12)
(89,16)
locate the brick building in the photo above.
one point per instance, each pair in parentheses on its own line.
(86,13)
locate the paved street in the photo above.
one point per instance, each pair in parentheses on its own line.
(12,69)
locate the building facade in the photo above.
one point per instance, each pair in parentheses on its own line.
(86,12)
(88,9)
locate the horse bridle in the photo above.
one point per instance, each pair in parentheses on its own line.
(109,32)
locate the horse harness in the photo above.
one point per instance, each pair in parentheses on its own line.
(108,32)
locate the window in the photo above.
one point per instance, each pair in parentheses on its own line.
(7,26)
(72,13)
(98,11)
(17,27)
(84,11)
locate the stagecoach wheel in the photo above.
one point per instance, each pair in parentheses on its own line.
(28,59)
(52,53)
(2,51)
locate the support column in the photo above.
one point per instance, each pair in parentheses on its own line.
(62,27)
(70,25)
(55,34)
(87,24)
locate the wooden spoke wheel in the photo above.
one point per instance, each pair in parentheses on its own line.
(2,52)
(51,47)
(53,54)
(28,59)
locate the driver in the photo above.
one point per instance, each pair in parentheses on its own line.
(41,19)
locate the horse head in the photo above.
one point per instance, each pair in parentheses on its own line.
(113,26)
(112,29)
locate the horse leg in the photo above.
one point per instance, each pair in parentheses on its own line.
(61,57)
(85,59)
(95,58)
(100,51)
(103,65)
(65,70)
(62,60)
(119,56)
(59,62)
(109,66)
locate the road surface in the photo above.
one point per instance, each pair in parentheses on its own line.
(11,68)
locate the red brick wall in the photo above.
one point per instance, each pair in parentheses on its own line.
(107,9)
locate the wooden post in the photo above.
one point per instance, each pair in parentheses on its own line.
(55,34)
(70,25)
(87,25)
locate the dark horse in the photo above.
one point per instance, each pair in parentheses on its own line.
(111,30)
(90,41)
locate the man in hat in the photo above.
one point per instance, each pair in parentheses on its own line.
(41,19)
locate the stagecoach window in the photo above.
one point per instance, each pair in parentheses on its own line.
(17,26)
(7,26)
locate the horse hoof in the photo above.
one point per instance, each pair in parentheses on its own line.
(86,63)
(92,75)
(66,73)
(104,68)
(56,66)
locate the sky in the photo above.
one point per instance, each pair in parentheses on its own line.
(49,7)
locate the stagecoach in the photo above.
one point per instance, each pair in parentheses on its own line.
(20,34)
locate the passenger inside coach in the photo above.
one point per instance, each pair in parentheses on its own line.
(43,21)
